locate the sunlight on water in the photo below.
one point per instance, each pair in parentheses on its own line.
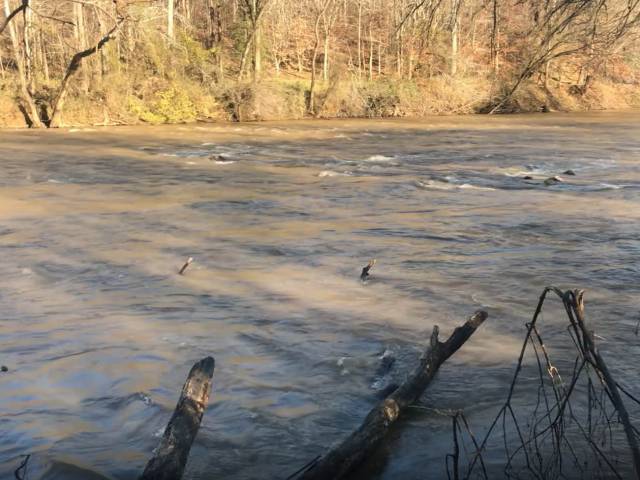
(98,330)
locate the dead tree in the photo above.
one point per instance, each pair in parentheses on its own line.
(351,452)
(171,455)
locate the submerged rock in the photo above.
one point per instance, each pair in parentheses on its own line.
(553,180)
(569,172)
(3,369)
(218,157)
(527,177)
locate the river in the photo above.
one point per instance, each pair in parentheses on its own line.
(98,331)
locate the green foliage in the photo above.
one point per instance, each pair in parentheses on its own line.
(175,106)
(171,105)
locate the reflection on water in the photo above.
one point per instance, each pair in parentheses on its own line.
(98,330)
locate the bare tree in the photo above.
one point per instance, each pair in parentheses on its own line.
(321,9)
(253,10)
(74,65)
(571,28)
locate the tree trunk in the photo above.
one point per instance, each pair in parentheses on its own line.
(299,58)
(187,12)
(495,60)
(359,38)
(43,61)
(257,52)
(31,111)
(311,106)
(370,53)
(245,54)
(547,73)
(276,63)
(455,25)
(325,58)
(170,20)
(399,52)
(81,43)
(27,15)
(170,457)
(342,460)
(100,67)
(311,102)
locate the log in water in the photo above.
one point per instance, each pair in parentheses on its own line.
(170,457)
(344,458)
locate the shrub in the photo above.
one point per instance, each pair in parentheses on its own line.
(269,100)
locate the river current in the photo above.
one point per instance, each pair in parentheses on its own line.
(98,330)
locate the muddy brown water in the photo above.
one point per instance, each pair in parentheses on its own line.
(98,331)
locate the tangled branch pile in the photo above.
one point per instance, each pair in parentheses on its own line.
(576,426)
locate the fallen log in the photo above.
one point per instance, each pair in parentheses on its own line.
(347,455)
(170,457)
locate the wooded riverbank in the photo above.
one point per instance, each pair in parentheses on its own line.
(285,100)
(104,62)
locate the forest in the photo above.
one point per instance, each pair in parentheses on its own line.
(105,62)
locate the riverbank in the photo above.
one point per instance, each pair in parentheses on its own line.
(162,101)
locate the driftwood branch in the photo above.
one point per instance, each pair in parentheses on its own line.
(186,265)
(346,456)
(365,271)
(171,455)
